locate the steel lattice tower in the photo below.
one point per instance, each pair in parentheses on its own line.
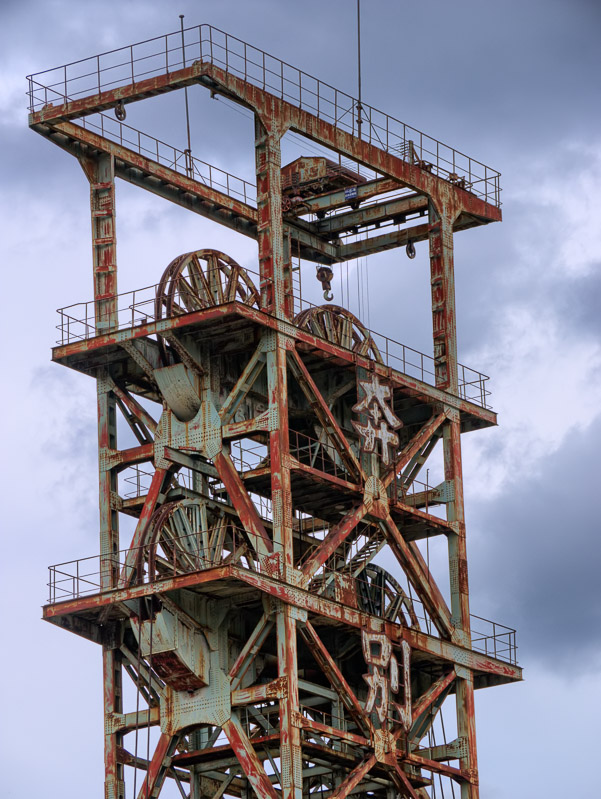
(277,451)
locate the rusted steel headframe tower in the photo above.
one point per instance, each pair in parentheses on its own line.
(248,638)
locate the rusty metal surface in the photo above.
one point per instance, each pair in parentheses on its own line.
(66,92)
(278,450)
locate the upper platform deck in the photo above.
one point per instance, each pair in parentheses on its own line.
(229,66)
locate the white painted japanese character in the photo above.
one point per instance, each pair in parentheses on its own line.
(378,654)
(380,417)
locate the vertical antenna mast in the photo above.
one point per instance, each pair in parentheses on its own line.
(188,152)
(359,106)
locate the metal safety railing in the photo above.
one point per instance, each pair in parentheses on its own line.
(172,157)
(494,639)
(147,564)
(319,455)
(135,308)
(135,481)
(247,454)
(199,551)
(206,44)
(488,637)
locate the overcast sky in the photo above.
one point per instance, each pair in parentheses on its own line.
(515,85)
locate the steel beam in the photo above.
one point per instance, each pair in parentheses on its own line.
(328,665)
(218,80)
(185,191)
(248,759)
(426,589)
(329,609)
(328,201)
(325,416)
(374,214)
(326,349)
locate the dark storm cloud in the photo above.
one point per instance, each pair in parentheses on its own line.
(544,255)
(512,74)
(536,559)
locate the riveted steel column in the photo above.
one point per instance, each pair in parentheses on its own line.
(109,559)
(460,608)
(199,739)
(274,258)
(108,486)
(114,785)
(445,356)
(290,741)
(104,242)
(279,448)
(101,174)
(442,279)
(466,731)
(276,299)
(446,372)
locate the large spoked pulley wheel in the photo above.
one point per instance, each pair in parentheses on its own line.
(202,279)
(336,324)
(379,594)
(188,536)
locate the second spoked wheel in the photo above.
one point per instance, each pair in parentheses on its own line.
(201,279)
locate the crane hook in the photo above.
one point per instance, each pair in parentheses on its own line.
(410,249)
(120,111)
(324,274)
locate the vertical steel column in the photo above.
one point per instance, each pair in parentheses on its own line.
(104,242)
(290,740)
(101,174)
(109,574)
(445,356)
(199,739)
(276,298)
(466,731)
(279,447)
(442,279)
(108,484)
(274,261)
(114,785)
(460,607)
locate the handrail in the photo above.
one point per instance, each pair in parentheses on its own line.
(135,308)
(87,576)
(161,55)
(91,575)
(172,157)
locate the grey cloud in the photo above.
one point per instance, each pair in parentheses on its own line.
(579,302)
(536,557)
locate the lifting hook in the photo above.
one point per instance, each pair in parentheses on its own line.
(324,274)
(120,111)
(410,249)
